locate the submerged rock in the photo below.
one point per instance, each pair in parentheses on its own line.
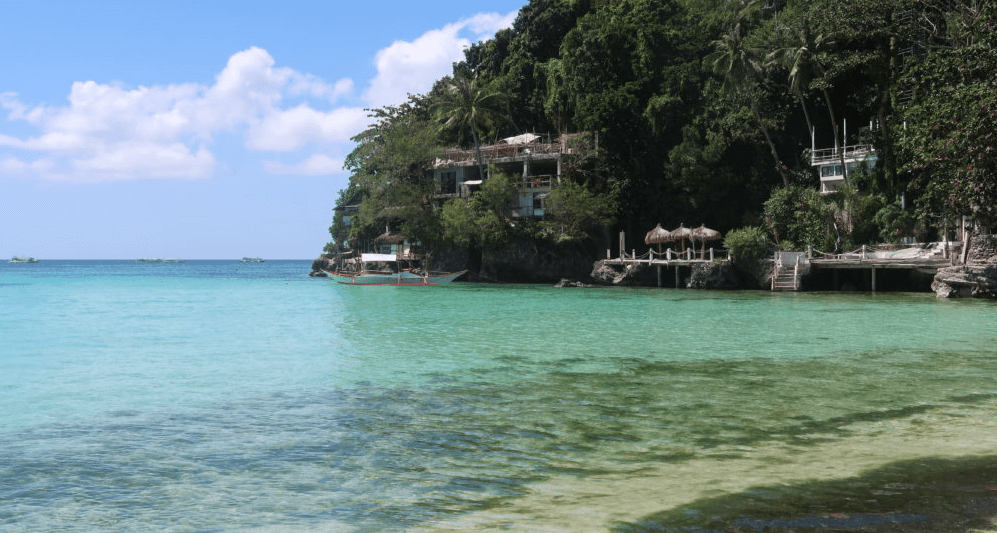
(565,282)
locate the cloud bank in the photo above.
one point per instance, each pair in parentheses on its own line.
(291,123)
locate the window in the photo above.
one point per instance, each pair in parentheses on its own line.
(448,182)
(828,171)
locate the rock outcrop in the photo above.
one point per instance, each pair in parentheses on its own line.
(977,278)
(708,276)
(713,276)
(318,264)
(525,261)
(631,275)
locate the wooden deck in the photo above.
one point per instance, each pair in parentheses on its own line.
(668,258)
(923,259)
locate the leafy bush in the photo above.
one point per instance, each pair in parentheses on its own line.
(801,215)
(746,243)
(894,223)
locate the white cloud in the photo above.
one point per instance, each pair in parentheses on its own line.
(134,160)
(316,165)
(411,67)
(294,128)
(108,131)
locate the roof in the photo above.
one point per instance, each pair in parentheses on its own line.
(521,139)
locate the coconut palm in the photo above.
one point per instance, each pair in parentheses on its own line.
(741,67)
(464,103)
(799,52)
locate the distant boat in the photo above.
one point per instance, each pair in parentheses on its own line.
(23,259)
(172,260)
(252,260)
(168,260)
(386,269)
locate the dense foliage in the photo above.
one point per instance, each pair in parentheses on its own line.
(744,244)
(704,111)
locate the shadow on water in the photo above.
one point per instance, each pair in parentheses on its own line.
(923,495)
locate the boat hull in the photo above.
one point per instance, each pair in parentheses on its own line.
(400,278)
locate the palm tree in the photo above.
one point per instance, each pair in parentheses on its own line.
(465,104)
(799,54)
(742,67)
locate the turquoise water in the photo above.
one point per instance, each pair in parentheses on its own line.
(221,396)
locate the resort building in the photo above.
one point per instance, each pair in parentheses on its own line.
(535,161)
(834,164)
(828,163)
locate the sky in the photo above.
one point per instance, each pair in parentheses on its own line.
(207,129)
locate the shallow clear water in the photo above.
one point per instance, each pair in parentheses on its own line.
(221,396)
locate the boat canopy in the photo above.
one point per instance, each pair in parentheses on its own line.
(371,258)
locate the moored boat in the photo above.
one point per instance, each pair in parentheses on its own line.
(252,260)
(387,269)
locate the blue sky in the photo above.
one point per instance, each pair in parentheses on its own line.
(202,130)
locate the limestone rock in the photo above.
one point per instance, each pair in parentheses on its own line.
(977,278)
(631,275)
(977,281)
(714,276)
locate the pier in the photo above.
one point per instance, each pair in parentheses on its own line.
(904,268)
(889,267)
(668,258)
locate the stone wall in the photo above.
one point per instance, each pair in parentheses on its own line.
(983,250)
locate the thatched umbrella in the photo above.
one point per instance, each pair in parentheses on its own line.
(681,233)
(657,236)
(703,234)
(389,238)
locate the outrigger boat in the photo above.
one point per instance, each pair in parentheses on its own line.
(387,269)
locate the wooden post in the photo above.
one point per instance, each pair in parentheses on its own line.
(711,254)
(659,276)
(873,278)
(676,276)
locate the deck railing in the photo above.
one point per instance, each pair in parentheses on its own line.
(830,155)
(566,145)
(710,254)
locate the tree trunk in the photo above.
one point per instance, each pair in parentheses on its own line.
(834,128)
(778,162)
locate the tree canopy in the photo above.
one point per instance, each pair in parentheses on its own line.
(705,112)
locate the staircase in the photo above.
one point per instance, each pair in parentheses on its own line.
(785,279)
(789,268)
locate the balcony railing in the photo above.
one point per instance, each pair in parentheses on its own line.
(829,155)
(567,144)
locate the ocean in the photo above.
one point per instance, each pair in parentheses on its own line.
(212,396)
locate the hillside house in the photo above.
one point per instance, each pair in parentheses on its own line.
(535,161)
